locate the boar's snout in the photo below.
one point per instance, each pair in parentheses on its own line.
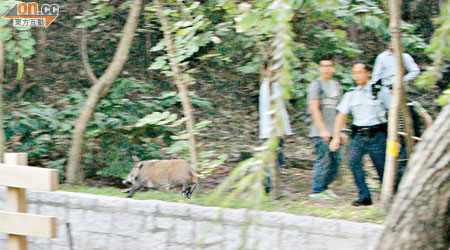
(128,180)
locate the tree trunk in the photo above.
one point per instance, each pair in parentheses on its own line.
(384,5)
(42,44)
(353,32)
(420,215)
(180,82)
(2,79)
(74,170)
(398,102)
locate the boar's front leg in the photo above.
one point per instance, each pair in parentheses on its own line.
(184,190)
(136,187)
(190,190)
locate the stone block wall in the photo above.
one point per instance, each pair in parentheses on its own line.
(108,223)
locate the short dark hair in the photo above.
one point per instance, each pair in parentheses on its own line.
(326,57)
(367,66)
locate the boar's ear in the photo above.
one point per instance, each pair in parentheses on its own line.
(140,165)
(135,158)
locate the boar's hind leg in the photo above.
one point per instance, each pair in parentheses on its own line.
(136,187)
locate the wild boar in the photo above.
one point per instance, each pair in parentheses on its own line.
(162,175)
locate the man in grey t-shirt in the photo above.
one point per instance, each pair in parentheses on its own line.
(324,94)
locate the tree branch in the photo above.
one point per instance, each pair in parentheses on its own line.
(85,58)
(180,82)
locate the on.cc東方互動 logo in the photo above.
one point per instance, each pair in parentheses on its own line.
(32,15)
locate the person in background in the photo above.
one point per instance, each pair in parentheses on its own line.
(324,94)
(385,68)
(369,127)
(265,121)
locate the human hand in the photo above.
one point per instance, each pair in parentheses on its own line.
(334,144)
(325,135)
(344,138)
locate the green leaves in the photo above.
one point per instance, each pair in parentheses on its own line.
(25,35)
(445,98)
(190,33)
(373,22)
(19,46)
(6,34)
(158,118)
(439,52)
(100,10)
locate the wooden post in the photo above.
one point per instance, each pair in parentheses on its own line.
(17,176)
(16,200)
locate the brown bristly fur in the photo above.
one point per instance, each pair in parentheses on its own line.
(164,174)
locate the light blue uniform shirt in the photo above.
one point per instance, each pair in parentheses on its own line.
(365,110)
(386,68)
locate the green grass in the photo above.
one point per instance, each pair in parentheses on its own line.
(296,205)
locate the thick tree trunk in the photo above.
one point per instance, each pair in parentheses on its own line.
(74,170)
(420,215)
(2,79)
(180,82)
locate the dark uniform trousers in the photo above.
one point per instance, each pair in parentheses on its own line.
(375,145)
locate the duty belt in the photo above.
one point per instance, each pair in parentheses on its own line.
(369,130)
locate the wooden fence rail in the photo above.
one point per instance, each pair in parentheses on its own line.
(17,176)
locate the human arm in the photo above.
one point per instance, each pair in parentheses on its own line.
(317,117)
(339,123)
(426,117)
(386,96)
(411,67)
(377,68)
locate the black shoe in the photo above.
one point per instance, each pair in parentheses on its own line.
(362,202)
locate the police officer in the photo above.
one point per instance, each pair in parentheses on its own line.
(386,68)
(368,109)
(384,71)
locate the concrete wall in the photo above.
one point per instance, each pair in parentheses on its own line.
(101,222)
